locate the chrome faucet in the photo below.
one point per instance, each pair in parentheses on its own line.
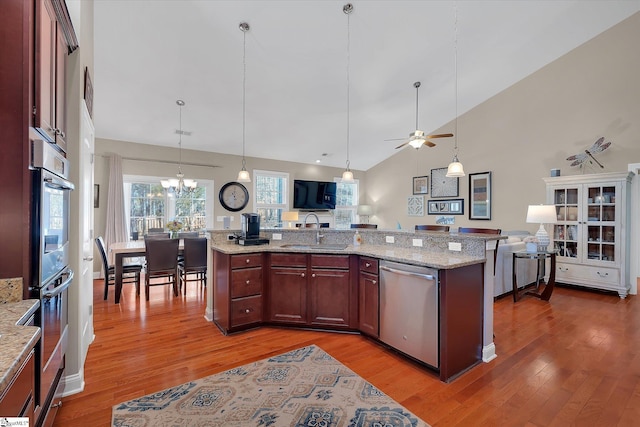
(304,224)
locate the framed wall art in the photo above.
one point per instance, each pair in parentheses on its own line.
(420,185)
(449,207)
(441,185)
(480,195)
(415,206)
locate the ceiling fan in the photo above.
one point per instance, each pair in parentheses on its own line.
(417,138)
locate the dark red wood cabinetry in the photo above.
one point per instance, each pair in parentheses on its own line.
(237,300)
(311,290)
(369,297)
(18,398)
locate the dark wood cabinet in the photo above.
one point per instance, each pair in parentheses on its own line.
(49,113)
(18,398)
(237,302)
(369,297)
(311,290)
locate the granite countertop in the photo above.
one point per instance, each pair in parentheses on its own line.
(439,260)
(15,341)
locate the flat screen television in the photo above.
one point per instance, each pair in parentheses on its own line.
(314,195)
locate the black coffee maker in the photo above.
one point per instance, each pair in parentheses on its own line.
(250,226)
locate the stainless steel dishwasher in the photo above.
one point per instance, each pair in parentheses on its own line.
(409,310)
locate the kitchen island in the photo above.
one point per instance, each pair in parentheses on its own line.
(295,282)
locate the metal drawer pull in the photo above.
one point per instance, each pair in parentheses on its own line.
(247,311)
(313,275)
(366,264)
(248,261)
(602,274)
(302,275)
(563,268)
(247,282)
(375,282)
(408,273)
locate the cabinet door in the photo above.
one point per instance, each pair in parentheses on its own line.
(60,91)
(568,229)
(45,76)
(329,297)
(288,295)
(368,316)
(601,215)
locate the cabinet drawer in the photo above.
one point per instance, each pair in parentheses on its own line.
(370,265)
(586,273)
(246,281)
(246,260)
(246,310)
(330,261)
(289,260)
(16,400)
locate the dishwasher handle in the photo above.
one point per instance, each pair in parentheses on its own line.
(407,273)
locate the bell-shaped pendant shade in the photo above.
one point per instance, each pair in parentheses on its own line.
(455,168)
(243,176)
(347,176)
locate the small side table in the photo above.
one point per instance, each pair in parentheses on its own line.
(541,257)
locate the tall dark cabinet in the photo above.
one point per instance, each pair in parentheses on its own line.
(35,38)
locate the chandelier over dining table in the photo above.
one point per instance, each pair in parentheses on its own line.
(179,185)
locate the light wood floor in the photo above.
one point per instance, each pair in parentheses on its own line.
(572,361)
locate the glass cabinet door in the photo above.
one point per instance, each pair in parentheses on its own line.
(600,220)
(565,231)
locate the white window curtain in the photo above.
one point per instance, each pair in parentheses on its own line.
(116,226)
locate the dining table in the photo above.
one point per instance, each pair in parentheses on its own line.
(128,249)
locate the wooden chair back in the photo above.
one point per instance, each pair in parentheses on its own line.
(162,263)
(429,227)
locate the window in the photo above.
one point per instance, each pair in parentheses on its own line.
(346,203)
(148,205)
(271,191)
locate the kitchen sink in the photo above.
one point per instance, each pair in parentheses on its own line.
(320,247)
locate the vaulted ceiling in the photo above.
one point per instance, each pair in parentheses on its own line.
(150,53)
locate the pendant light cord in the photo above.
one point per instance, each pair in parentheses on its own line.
(455,64)
(347,10)
(244,27)
(180,141)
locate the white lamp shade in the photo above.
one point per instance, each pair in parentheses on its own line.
(365,210)
(455,169)
(290,216)
(347,176)
(243,176)
(541,214)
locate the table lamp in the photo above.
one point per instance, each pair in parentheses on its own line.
(542,214)
(290,216)
(364,211)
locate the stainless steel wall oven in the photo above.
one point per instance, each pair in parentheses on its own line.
(51,275)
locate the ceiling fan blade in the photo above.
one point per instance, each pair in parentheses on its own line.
(395,139)
(441,135)
(402,145)
(429,143)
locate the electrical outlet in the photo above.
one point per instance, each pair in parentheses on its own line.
(276,236)
(417,242)
(455,246)
(390,239)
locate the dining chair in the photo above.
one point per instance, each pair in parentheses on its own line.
(156,236)
(130,271)
(364,225)
(188,234)
(162,263)
(194,262)
(484,231)
(429,227)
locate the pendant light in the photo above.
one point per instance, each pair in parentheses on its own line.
(243,175)
(455,169)
(179,186)
(347,175)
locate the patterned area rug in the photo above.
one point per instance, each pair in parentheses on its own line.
(305,387)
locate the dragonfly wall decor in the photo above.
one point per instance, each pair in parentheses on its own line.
(597,147)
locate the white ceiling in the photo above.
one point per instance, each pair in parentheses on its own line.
(149,53)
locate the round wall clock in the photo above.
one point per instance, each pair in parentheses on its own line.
(233,196)
(441,185)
